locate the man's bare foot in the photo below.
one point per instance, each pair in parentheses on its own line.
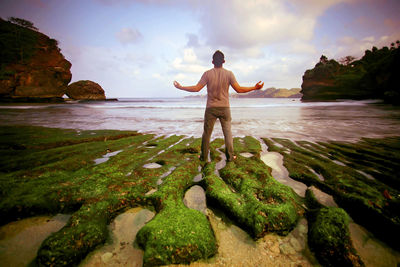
(200,158)
(233,159)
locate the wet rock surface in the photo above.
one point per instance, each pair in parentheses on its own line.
(275,161)
(195,198)
(237,248)
(120,250)
(323,198)
(372,251)
(20,240)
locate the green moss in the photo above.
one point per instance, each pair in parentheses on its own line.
(216,144)
(311,201)
(371,202)
(86,229)
(176,234)
(248,193)
(329,238)
(247,144)
(54,172)
(48,171)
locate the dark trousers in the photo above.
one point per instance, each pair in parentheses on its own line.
(210,116)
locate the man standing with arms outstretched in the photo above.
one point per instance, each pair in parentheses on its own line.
(218,80)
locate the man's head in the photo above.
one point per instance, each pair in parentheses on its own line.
(218,59)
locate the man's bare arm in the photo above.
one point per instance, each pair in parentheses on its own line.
(194,88)
(242,89)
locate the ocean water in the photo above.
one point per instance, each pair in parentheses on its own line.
(263,117)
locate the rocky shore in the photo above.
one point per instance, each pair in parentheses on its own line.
(189,212)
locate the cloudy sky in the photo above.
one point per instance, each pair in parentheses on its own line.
(137,48)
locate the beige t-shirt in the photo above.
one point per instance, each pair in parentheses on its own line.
(218,81)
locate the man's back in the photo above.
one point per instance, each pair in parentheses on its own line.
(218,81)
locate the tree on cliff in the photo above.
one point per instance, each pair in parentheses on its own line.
(18,39)
(347,60)
(323,59)
(23,22)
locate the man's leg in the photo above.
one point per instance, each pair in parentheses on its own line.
(209,121)
(225,120)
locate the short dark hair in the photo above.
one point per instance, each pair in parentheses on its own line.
(218,58)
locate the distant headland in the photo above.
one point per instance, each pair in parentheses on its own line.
(271,92)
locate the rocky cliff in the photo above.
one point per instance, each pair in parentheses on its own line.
(375,76)
(31,66)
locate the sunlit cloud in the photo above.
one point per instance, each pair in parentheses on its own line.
(188,62)
(243,24)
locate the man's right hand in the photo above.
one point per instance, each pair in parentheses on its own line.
(177,85)
(193,88)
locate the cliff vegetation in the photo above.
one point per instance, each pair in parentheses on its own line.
(375,76)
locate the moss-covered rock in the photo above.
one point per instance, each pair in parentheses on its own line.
(86,229)
(176,234)
(371,196)
(48,171)
(329,237)
(248,193)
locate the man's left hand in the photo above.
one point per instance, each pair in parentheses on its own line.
(259,85)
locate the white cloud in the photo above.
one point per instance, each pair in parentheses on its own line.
(179,77)
(249,33)
(189,56)
(188,63)
(156,75)
(244,24)
(128,35)
(351,46)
